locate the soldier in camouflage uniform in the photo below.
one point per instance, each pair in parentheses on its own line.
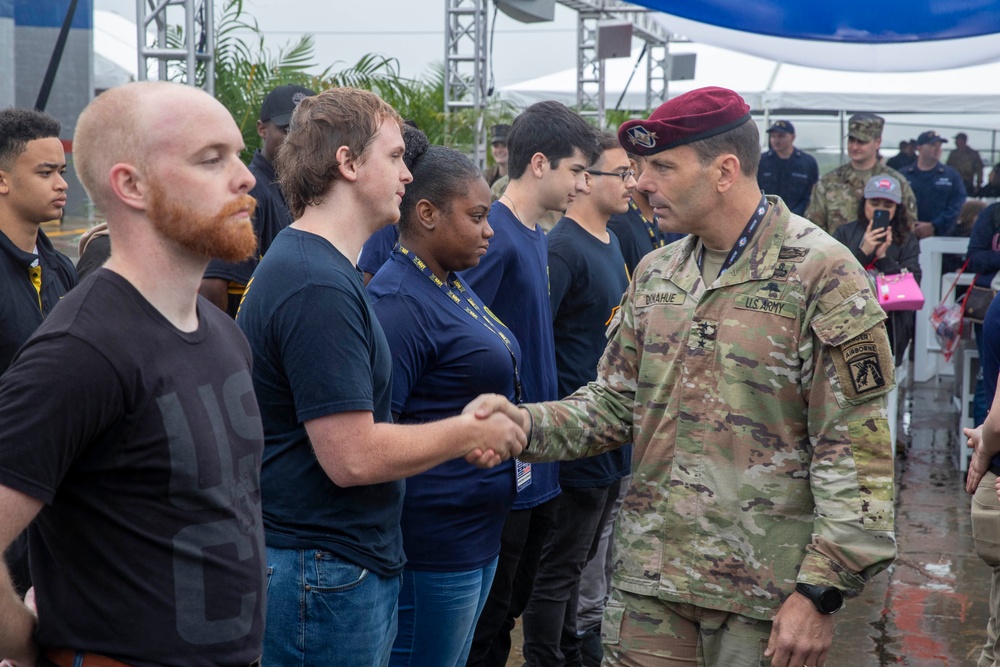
(835,197)
(762,472)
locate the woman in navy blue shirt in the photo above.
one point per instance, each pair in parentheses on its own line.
(447,349)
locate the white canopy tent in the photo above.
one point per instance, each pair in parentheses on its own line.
(770,85)
(817,100)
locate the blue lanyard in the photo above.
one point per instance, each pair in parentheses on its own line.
(743,241)
(481,314)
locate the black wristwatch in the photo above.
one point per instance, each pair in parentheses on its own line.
(826,599)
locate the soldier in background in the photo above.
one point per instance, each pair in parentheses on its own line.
(835,198)
(966,161)
(750,363)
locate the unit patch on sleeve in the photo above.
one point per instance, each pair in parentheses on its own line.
(864,365)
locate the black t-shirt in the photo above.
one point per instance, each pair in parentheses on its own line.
(144,443)
(587,279)
(318,350)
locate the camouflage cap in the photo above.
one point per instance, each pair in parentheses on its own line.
(865,126)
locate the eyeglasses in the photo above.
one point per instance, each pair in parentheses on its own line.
(624,175)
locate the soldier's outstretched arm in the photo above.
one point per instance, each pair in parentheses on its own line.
(597,417)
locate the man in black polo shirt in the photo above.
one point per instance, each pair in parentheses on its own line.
(225,282)
(33,274)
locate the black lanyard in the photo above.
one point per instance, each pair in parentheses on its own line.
(743,241)
(481,314)
(657,241)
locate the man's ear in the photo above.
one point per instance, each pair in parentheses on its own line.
(347,164)
(261,129)
(129,186)
(537,164)
(726,169)
(5,178)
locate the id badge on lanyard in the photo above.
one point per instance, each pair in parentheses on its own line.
(523,477)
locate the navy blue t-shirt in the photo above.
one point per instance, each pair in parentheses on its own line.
(588,278)
(318,350)
(442,358)
(377,249)
(512,279)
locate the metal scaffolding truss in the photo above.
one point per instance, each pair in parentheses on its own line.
(195,44)
(467,45)
(466,80)
(590,70)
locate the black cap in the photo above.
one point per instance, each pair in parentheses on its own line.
(929,136)
(782,126)
(280,103)
(500,133)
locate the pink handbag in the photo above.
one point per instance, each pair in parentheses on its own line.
(899,291)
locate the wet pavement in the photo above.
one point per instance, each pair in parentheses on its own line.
(930,608)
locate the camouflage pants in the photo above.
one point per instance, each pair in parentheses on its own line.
(641,631)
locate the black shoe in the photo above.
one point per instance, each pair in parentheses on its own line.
(591,651)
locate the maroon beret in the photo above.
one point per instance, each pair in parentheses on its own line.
(690,117)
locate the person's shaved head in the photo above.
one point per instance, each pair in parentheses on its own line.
(128,124)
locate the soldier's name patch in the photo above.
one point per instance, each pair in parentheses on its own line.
(793,254)
(659,299)
(762,305)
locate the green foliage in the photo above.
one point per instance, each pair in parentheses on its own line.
(246,70)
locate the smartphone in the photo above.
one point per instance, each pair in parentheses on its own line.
(881,219)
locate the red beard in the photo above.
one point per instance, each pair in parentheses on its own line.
(205,235)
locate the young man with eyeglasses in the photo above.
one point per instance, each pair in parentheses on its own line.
(587,277)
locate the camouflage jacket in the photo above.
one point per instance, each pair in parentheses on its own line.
(835,197)
(762,453)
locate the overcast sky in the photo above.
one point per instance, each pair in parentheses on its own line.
(412,31)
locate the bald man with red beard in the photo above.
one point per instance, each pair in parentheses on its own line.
(129,433)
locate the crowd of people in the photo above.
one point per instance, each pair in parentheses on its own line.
(361,404)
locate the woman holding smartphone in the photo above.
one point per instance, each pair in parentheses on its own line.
(881,240)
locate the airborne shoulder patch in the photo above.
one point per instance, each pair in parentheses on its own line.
(864,365)
(792,254)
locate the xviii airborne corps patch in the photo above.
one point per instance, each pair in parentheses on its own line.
(862,357)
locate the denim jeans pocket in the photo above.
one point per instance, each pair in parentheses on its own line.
(333,575)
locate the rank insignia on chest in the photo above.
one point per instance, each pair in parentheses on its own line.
(702,335)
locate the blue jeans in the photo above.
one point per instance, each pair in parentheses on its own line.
(437,616)
(322,610)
